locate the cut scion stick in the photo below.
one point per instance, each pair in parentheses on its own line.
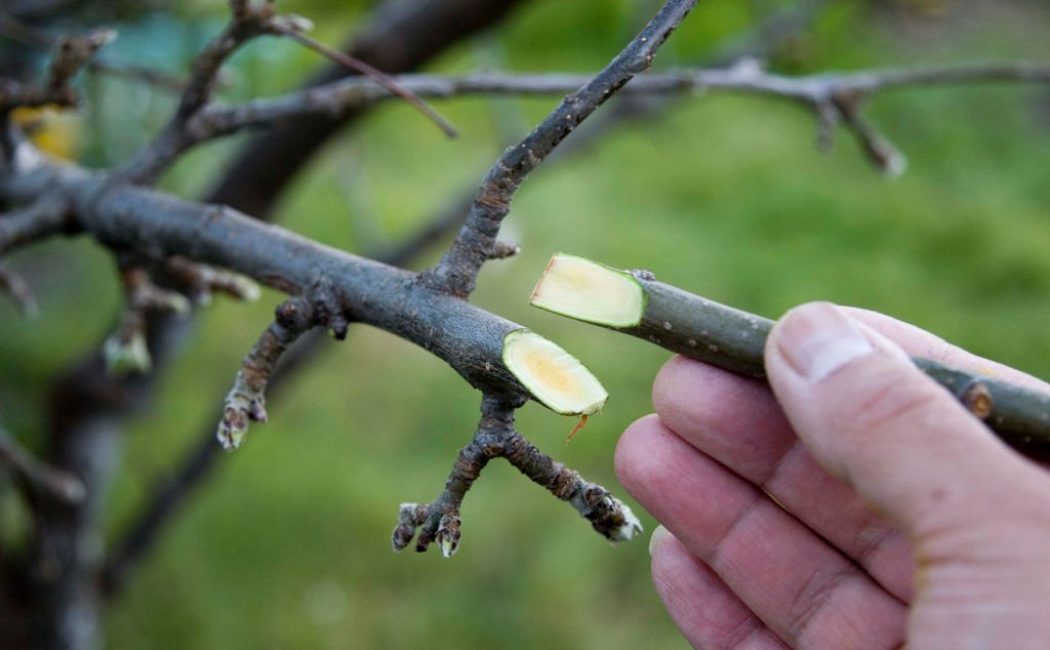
(554,377)
(734,340)
(633,303)
(579,288)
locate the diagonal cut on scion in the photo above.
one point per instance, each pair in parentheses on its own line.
(586,290)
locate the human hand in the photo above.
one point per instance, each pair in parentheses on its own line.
(901,518)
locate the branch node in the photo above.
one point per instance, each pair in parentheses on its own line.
(502,250)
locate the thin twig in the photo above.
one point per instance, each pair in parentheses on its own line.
(836,98)
(246,401)
(38,475)
(246,23)
(43,218)
(457,271)
(126,351)
(357,65)
(398,37)
(439,521)
(35,37)
(72,53)
(201,281)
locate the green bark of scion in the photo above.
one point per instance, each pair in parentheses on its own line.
(735,340)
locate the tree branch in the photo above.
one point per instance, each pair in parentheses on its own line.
(129,217)
(71,54)
(41,218)
(296,33)
(87,405)
(36,37)
(835,98)
(17,289)
(173,491)
(247,21)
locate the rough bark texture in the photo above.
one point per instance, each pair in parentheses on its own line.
(178,486)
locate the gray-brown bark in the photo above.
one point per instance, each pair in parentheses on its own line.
(177,487)
(468,338)
(90,404)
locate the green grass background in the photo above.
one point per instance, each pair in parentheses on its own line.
(288,544)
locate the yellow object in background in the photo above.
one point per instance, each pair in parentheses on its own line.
(55,132)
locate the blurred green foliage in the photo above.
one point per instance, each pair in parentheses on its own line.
(287,546)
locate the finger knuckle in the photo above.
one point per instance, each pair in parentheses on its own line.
(892,401)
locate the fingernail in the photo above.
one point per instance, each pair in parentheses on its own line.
(819,339)
(659,535)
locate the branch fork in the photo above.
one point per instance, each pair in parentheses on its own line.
(72,53)
(440,521)
(508,363)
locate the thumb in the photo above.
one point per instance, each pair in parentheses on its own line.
(873,419)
